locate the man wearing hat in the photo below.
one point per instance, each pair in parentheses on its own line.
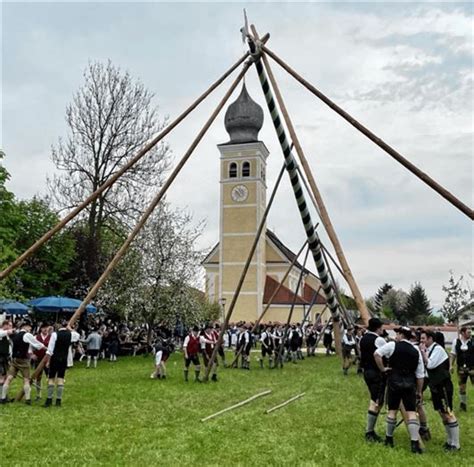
(22,341)
(207,348)
(373,377)
(405,377)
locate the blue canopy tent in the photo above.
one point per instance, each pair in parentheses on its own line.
(58,304)
(13,308)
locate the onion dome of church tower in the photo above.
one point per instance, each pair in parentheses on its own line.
(243,119)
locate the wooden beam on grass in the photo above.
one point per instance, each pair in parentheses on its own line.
(289,401)
(236,406)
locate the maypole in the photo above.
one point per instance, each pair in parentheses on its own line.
(313,238)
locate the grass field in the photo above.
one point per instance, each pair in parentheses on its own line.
(117,415)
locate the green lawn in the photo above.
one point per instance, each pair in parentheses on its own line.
(118,415)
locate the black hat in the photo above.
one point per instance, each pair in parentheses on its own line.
(405,330)
(374,323)
(26,322)
(196,328)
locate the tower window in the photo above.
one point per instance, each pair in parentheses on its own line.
(232,170)
(246,169)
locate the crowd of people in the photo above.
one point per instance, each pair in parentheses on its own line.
(396,370)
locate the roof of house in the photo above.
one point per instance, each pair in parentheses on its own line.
(285,296)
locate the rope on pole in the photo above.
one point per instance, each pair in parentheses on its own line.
(374,138)
(318,199)
(235,406)
(313,238)
(33,248)
(220,339)
(270,301)
(93,291)
(285,403)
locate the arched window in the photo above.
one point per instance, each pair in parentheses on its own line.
(246,169)
(232,170)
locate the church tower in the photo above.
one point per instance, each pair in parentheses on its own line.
(242,204)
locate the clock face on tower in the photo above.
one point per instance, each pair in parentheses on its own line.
(239,193)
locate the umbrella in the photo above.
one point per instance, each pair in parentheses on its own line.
(56,304)
(13,308)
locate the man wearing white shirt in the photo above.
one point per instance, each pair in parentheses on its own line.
(5,350)
(373,377)
(439,379)
(57,354)
(462,351)
(22,342)
(405,376)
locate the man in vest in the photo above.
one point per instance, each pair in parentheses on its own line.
(348,345)
(44,336)
(93,343)
(21,356)
(220,351)
(405,376)
(207,348)
(57,354)
(462,351)
(266,340)
(373,377)
(191,347)
(439,379)
(5,333)
(245,343)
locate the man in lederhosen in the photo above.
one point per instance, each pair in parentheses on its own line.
(462,351)
(373,377)
(439,380)
(21,356)
(5,332)
(266,340)
(191,348)
(348,346)
(207,348)
(245,343)
(57,353)
(405,376)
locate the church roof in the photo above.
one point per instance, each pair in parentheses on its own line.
(285,296)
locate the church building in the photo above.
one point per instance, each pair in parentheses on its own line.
(243,199)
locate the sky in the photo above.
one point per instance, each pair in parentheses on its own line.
(404,70)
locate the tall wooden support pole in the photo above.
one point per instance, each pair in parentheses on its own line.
(313,238)
(448,196)
(240,284)
(93,291)
(317,195)
(23,257)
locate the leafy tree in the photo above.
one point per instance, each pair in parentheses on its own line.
(393,304)
(110,118)
(379,296)
(456,297)
(417,309)
(43,273)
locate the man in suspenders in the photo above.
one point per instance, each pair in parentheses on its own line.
(348,345)
(462,351)
(191,347)
(405,376)
(373,377)
(439,380)
(21,355)
(58,350)
(5,332)
(266,340)
(207,347)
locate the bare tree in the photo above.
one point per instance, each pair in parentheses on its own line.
(110,118)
